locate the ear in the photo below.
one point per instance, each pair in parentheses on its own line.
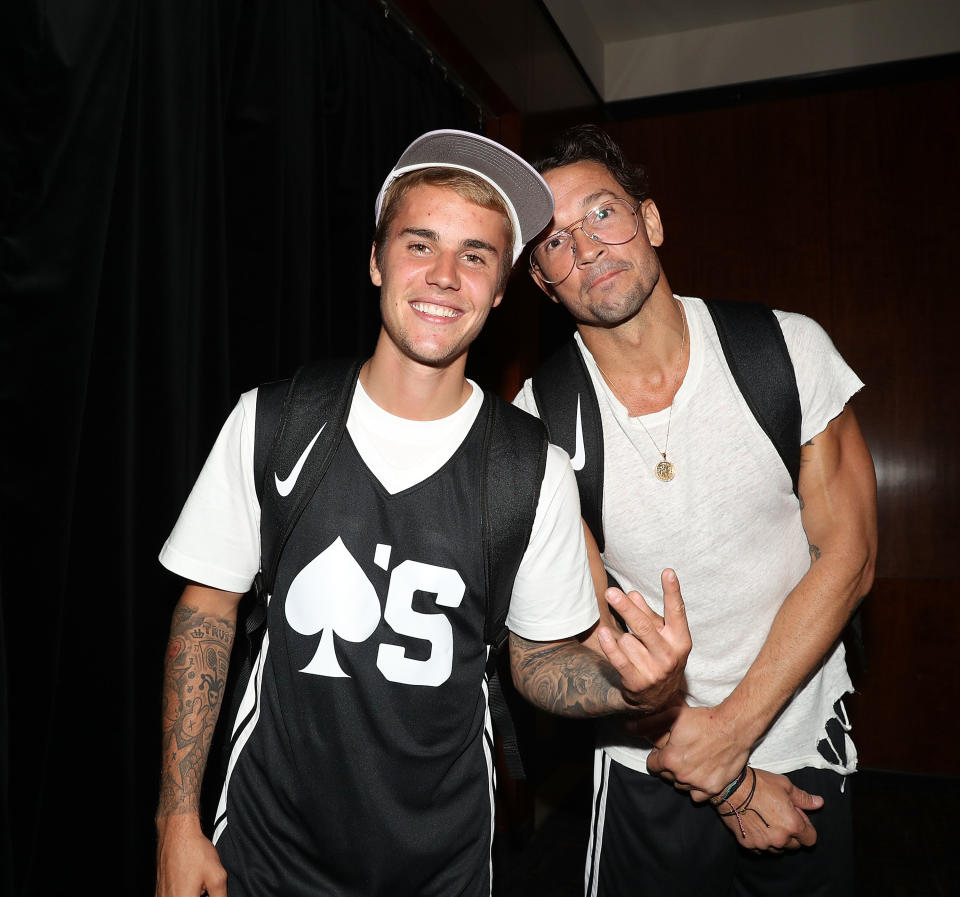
(374,268)
(650,216)
(497,300)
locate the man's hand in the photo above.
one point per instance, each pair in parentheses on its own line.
(187,863)
(651,657)
(641,672)
(702,753)
(775,818)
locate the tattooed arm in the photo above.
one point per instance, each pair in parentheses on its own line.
(708,746)
(606,670)
(198,654)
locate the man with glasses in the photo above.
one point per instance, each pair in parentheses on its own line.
(769,581)
(362,760)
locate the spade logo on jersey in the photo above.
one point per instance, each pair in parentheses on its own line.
(332,596)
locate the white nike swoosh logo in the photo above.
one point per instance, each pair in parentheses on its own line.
(285,487)
(579,456)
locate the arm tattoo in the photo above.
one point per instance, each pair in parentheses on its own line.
(195,672)
(815,553)
(565,678)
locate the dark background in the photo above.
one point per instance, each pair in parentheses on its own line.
(186,210)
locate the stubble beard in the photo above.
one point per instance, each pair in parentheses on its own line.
(627,304)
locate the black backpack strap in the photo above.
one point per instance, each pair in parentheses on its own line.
(567,403)
(514,460)
(757,356)
(270,399)
(271,402)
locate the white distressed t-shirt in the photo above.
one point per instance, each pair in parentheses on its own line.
(216,540)
(729,524)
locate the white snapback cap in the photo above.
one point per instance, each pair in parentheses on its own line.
(526,194)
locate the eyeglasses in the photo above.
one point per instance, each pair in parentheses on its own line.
(613,222)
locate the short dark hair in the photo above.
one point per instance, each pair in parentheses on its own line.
(589,143)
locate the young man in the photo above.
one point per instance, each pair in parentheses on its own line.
(769,581)
(362,765)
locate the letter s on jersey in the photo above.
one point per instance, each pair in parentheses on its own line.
(407,578)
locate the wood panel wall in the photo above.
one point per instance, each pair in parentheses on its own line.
(845,205)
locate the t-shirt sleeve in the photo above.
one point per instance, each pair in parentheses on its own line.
(824,380)
(553,596)
(216,539)
(525,400)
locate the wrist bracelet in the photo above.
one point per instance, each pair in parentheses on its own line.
(735,812)
(718,799)
(745,806)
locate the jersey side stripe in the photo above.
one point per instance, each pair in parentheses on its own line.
(242,731)
(488,753)
(601,779)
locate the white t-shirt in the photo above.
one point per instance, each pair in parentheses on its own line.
(216,540)
(729,524)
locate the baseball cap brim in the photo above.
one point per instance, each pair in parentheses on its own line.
(526,194)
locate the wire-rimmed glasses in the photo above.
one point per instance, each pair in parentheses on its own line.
(613,221)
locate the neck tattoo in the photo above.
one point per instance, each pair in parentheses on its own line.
(665,470)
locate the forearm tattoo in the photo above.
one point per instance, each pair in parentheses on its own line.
(567,678)
(195,672)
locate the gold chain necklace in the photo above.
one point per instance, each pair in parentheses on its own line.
(665,470)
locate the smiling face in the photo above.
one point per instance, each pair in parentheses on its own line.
(438,273)
(608,284)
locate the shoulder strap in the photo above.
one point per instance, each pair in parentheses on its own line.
(270,401)
(568,407)
(757,355)
(514,460)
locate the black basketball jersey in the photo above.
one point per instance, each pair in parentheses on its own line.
(366,766)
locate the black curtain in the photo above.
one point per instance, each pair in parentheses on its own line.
(187,209)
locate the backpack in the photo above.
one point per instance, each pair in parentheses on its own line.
(514,452)
(756,354)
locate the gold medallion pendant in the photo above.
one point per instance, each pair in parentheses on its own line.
(665,471)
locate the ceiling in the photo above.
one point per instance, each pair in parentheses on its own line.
(559,54)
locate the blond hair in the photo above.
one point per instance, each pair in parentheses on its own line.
(466,185)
